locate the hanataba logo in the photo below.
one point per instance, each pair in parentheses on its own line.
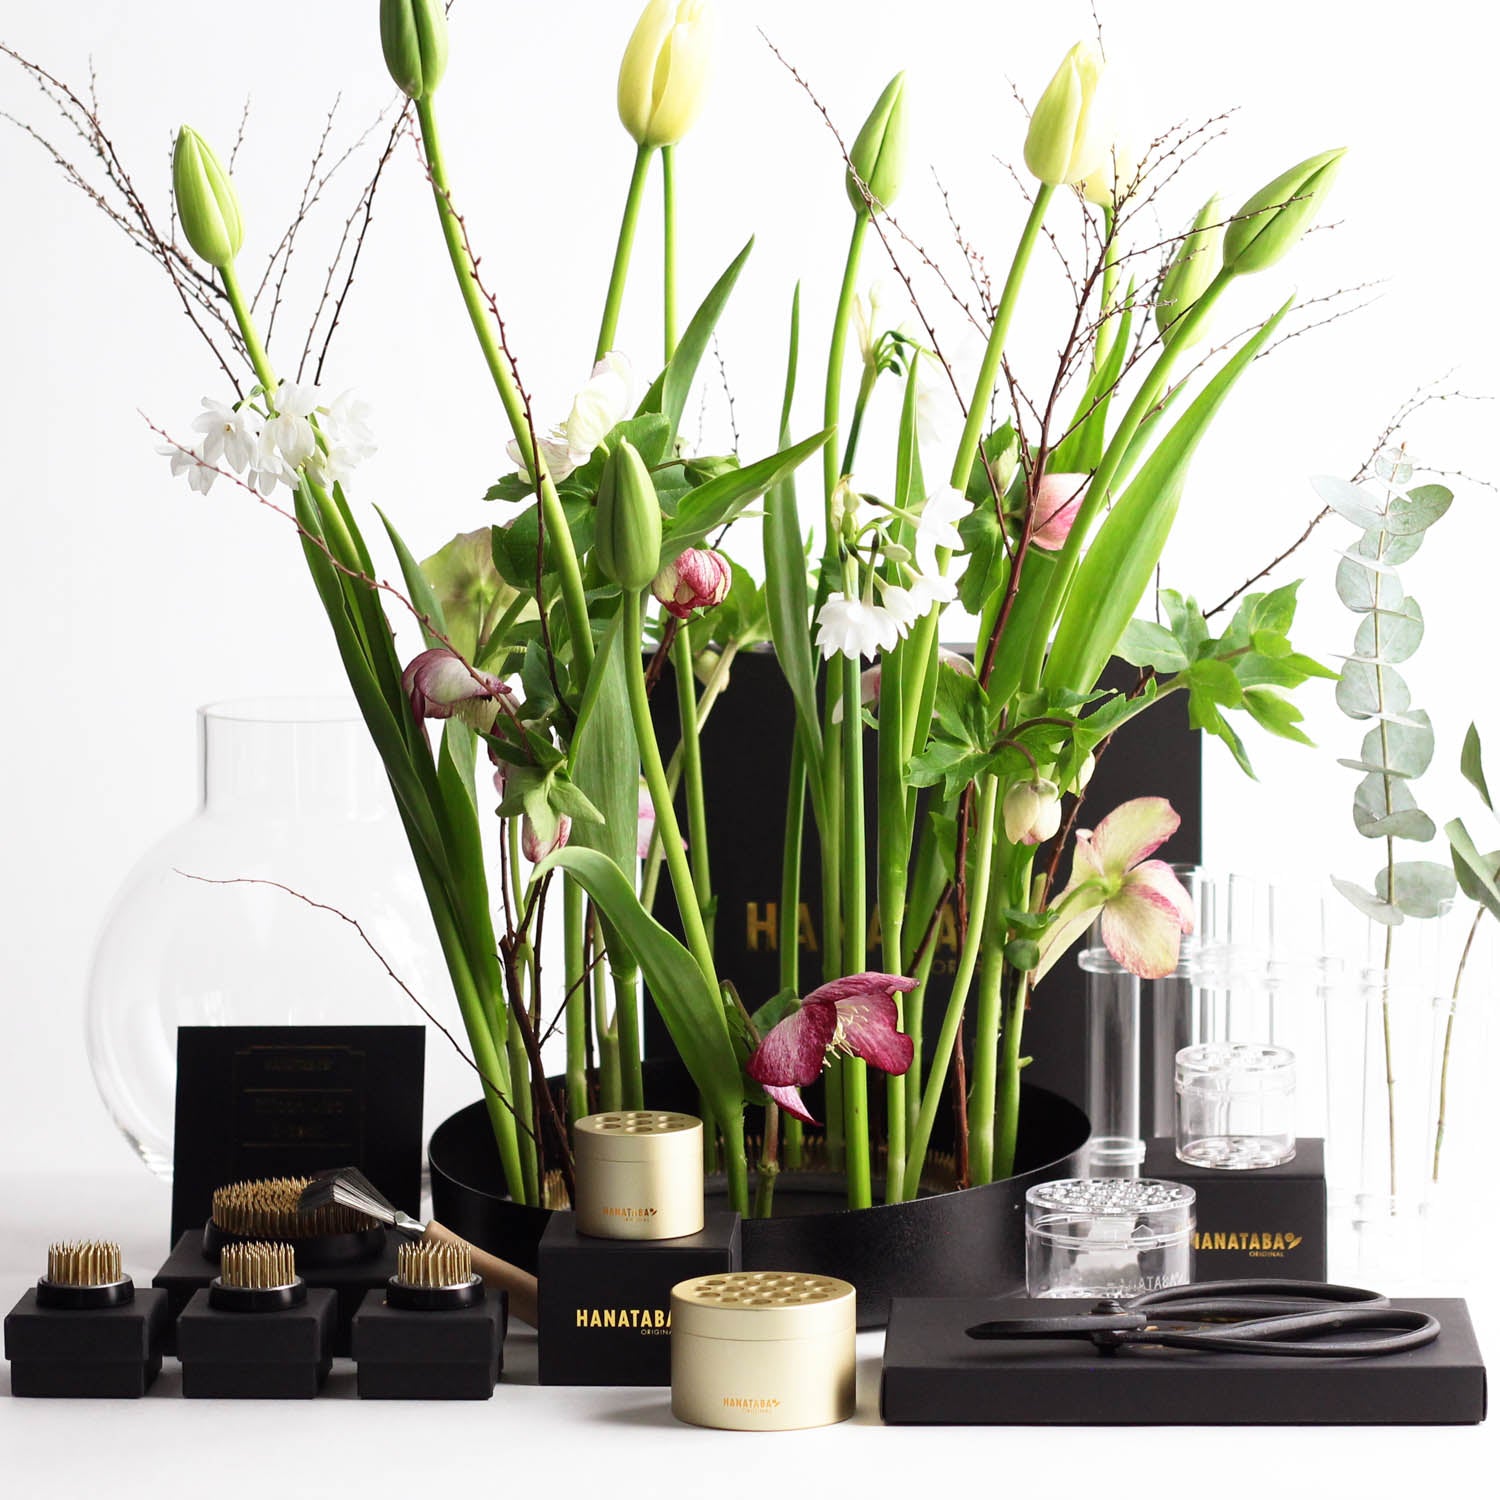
(1263,1244)
(763,932)
(629,1213)
(752,1403)
(631,1319)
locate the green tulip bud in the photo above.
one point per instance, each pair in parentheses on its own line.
(414,38)
(207,204)
(1198,260)
(1271,222)
(1070,134)
(665,70)
(879,151)
(627,535)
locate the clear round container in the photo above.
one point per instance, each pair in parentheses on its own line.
(1236,1105)
(1108,1237)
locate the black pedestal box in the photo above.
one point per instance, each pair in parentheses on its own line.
(605,1314)
(450,1355)
(187,1269)
(932,1373)
(1270,1221)
(97,1351)
(282,1354)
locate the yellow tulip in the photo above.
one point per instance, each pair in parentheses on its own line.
(1069,138)
(664,73)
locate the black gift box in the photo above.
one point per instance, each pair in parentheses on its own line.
(95,1351)
(1269,1221)
(187,1269)
(450,1354)
(605,1306)
(933,1373)
(282,1354)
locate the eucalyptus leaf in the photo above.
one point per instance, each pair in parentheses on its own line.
(1360,690)
(1380,548)
(1419,509)
(1421,888)
(1372,906)
(1349,501)
(1397,749)
(1386,808)
(1390,635)
(1362,589)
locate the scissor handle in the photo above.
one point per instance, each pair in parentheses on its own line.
(1083,1326)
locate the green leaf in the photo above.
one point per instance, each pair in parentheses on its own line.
(1274,611)
(1216,681)
(1275,714)
(1385,808)
(690,1006)
(417,586)
(1421,888)
(569,801)
(1421,508)
(1390,635)
(1147,644)
(989,563)
(472,596)
(1405,749)
(712,505)
(1471,763)
(1023,954)
(1082,447)
(1373,907)
(1475,872)
(1365,691)
(670,392)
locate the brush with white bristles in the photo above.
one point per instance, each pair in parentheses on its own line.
(348,1187)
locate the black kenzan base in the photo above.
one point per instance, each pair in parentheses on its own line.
(441,1354)
(282,1354)
(89,1351)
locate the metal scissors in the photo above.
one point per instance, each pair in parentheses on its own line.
(1237,1317)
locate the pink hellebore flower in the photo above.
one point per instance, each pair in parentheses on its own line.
(856,1016)
(442,685)
(1059,498)
(698,579)
(534,847)
(1142,907)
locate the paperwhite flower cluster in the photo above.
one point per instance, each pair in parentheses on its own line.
(270,450)
(605,402)
(857,625)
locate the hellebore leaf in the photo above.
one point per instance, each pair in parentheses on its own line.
(1147,644)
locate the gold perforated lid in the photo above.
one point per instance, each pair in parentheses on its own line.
(763,1305)
(638,1135)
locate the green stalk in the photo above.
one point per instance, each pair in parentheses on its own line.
(1010,1080)
(611,1091)
(577,1001)
(892,852)
(692,770)
(769,1166)
(575,604)
(833,387)
(979,896)
(856,1089)
(913,1009)
(1108,321)
(789,919)
(627,986)
(669,250)
(1458,979)
(530,1146)
(992,973)
(621,268)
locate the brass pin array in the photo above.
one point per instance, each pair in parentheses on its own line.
(257,1266)
(267,1208)
(433,1265)
(84,1263)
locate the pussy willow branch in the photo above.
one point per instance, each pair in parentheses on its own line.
(396,979)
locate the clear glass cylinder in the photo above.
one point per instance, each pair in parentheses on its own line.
(1112,1027)
(1108,1238)
(1236,1105)
(292,794)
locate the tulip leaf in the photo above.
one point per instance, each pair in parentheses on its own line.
(1417,510)
(1082,445)
(1384,807)
(1422,888)
(1476,873)
(1374,907)
(1350,501)
(712,505)
(669,393)
(1390,635)
(1471,763)
(689,1005)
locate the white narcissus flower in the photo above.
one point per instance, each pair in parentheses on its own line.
(347,426)
(290,432)
(852,628)
(605,402)
(905,607)
(190,462)
(228,434)
(930,589)
(937,526)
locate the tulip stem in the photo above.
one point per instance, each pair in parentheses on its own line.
(893,849)
(620,271)
(553,517)
(692,770)
(833,388)
(575,967)
(856,1084)
(669,251)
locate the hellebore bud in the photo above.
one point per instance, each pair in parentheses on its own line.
(207,203)
(878,154)
(1271,222)
(1033,811)
(627,537)
(1198,261)
(664,72)
(414,38)
(697,579)
(535,846)
(1069,137)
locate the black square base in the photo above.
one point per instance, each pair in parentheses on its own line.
(605,1306)
(102,1351)
(406,1355)
(1269,1221)
(283,1354)
(933,1373)
(187,1269)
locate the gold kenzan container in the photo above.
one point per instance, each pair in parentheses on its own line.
(638,1175)
(763,1351)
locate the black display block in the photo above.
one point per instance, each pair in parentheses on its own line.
(98,1351)
(282,1355)
(454,1354)
(187,1269)
(292,1101)
(1270,1221)
(605,1315)
(933,1373)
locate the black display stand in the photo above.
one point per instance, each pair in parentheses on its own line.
(452,1354)
(96,1351)
(283,1355)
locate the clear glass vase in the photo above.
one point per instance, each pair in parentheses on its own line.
(292,792)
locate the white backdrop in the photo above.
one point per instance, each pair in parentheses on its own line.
(127,601)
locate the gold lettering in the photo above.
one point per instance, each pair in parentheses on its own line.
(1279,1243)
(872,932)
(760,923)
(581,1318)
(807,934)
(948,930)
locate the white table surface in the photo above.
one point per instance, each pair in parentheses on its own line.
(624,1441)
